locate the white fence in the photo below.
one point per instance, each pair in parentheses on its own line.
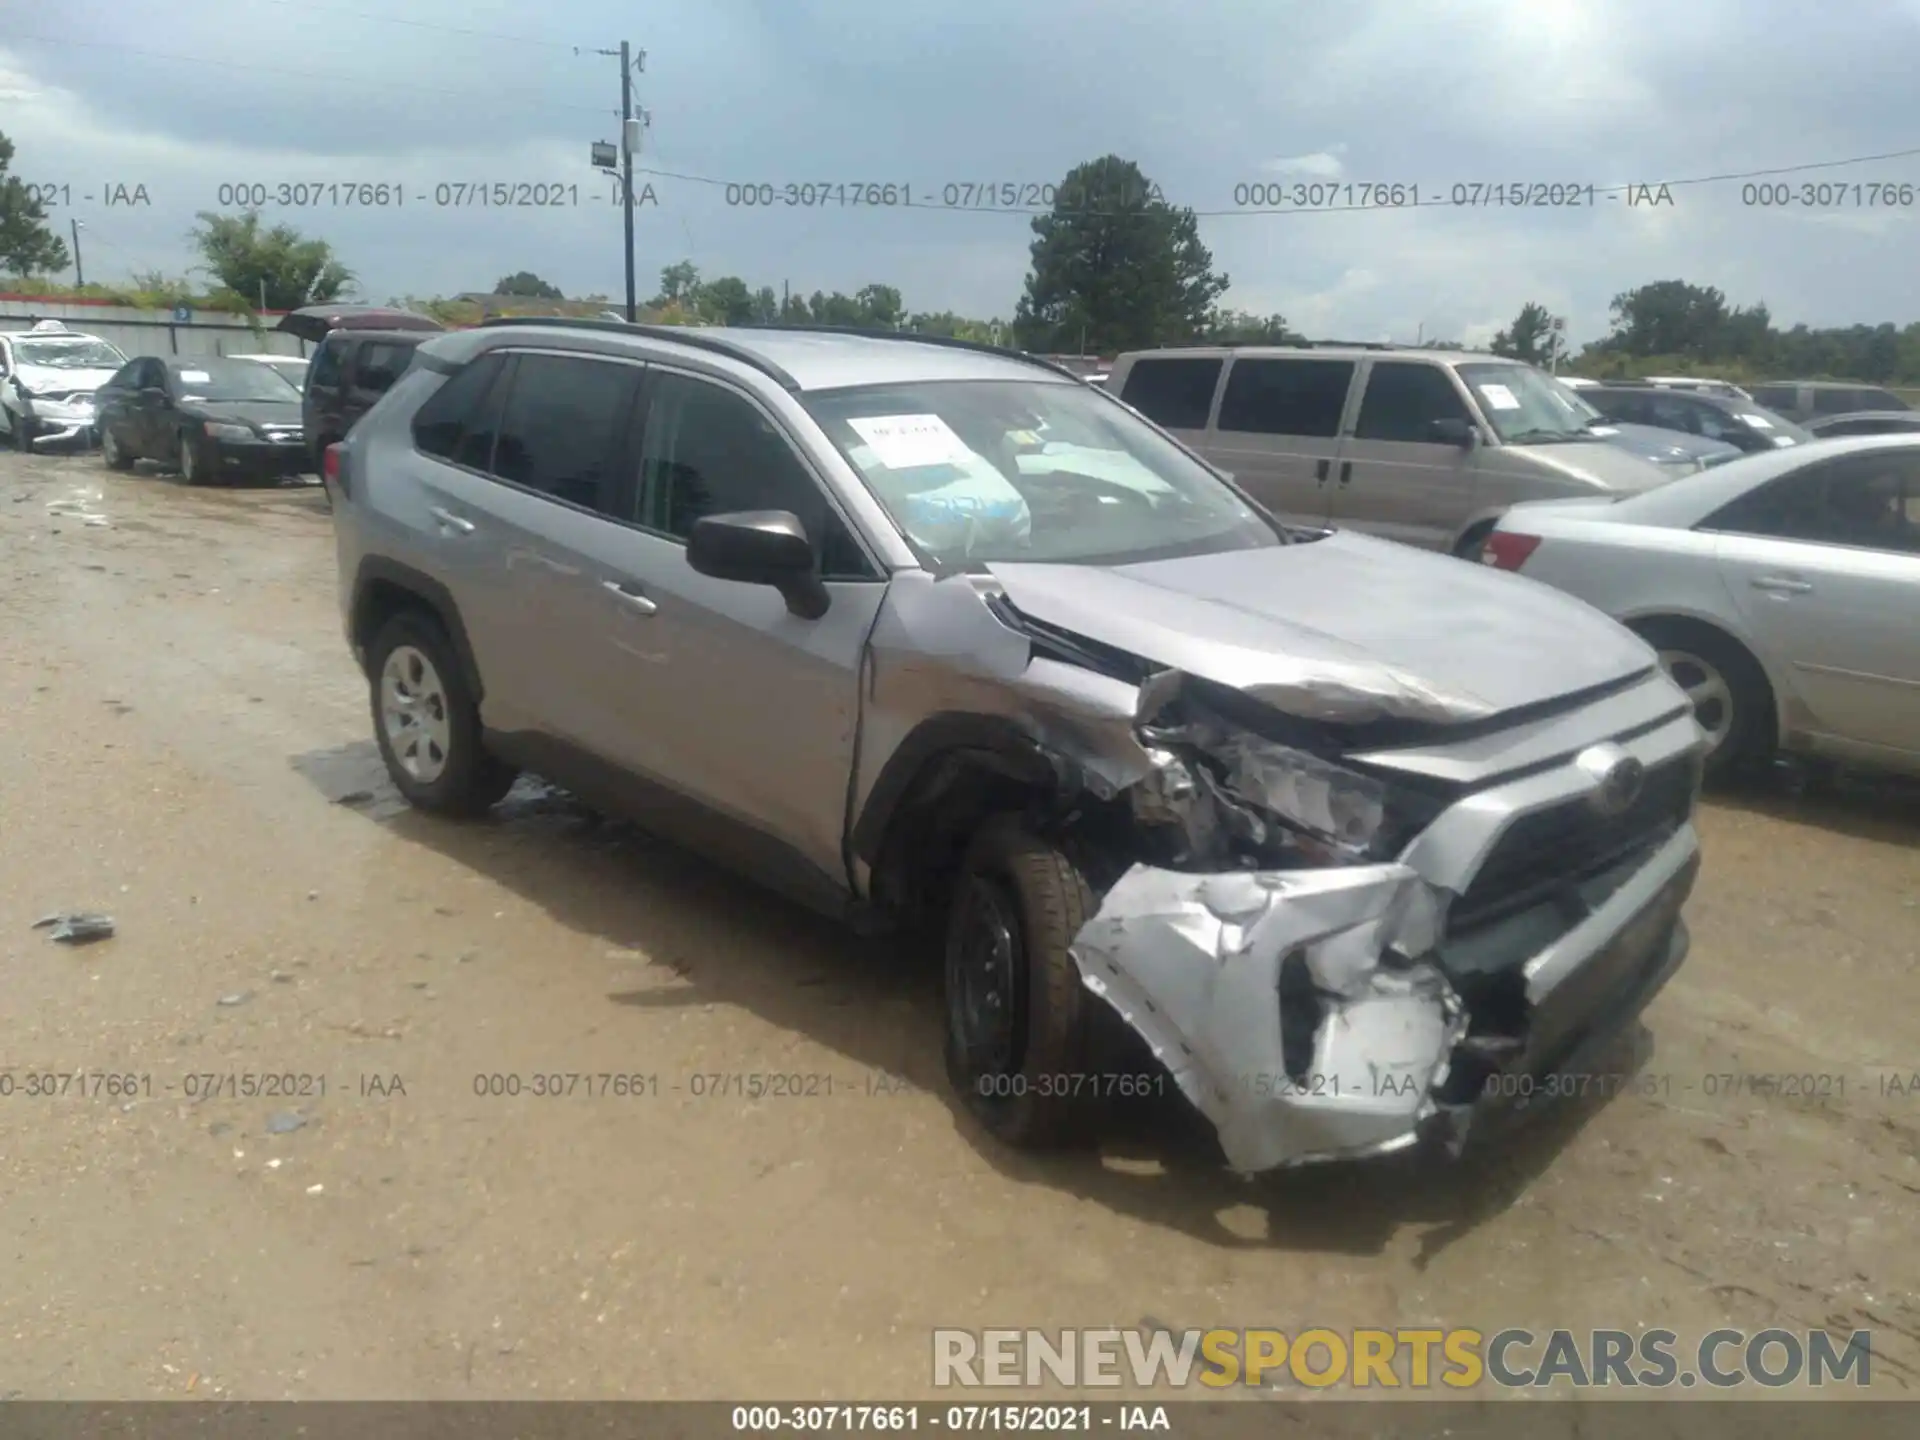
(156,332)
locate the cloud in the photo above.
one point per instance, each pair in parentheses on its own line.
(1320,165)
(1448,93)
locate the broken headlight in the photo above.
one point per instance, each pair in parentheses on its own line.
(1239,795)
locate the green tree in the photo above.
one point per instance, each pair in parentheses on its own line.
(794,310)
(526,283)
(766,306)
(679,284)
(27,245)
(726,301)
(1115,267)
(1535,336)
(880,307)
(1669,317)
(278,262)
(1240,327)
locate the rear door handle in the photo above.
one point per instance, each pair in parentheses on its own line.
(1321,470)
(1346,471)
(1781,585)
(633,598)
(458,524)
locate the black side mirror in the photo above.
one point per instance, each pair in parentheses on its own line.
(761,547)
(1454,432)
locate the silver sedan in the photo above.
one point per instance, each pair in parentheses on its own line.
(1782,592)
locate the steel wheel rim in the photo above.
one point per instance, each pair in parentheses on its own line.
(109,447)
(188,465)
(1709,691)
(414,714)
(985,962)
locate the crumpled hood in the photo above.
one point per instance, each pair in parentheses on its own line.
(57,380)
(1344,629)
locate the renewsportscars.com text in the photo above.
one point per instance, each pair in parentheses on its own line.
(1457,1359)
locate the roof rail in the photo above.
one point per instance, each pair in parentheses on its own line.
(677,334)
(951,342)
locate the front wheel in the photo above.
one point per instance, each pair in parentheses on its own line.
(22,428)
(196,468)
(1018,1020)
(111,452)
(427,722)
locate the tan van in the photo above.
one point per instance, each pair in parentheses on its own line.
(1422,446)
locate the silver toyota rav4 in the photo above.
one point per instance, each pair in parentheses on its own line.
(1360,841)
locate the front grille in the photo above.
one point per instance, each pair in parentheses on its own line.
(1546,853)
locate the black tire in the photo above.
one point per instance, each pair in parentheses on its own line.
(114,457)
(196,467)
(471,780)
(1033,1092)
(1749,729)
(22,427)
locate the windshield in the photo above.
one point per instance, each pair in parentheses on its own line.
(1526,406)
(986,470)
(233,380)
(81,353)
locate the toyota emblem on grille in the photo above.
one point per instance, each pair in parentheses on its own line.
(1617,777)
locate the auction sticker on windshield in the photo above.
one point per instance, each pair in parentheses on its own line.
(908,442)
(1758,422)
(1499,397)
(195,377)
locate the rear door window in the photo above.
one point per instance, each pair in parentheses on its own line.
(562,428)
(381,364)
(1774,397)
(326,365)
(1286,397)
(1403,399)
(1175,394)
(1869,501)
(1835,402)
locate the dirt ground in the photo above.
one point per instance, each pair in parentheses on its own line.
(187,747)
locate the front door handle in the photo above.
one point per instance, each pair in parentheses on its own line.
(1346,471)
(639,603)
(458,524)
(1781,585)
(1321,470)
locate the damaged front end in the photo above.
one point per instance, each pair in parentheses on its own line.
(1278,963)
(1338,910)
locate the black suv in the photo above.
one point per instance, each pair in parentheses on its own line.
(351,370)
(1746,427)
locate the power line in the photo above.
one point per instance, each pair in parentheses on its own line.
(418,24)
(389,85)
(1337,185)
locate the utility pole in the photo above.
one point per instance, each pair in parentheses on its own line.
(630,129)
(79,275)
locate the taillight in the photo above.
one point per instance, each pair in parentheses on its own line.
(330,467)
(1505,550)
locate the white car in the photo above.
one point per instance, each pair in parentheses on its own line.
(48,375)
(292,367)
(1782,592)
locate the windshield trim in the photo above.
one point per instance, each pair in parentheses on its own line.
(939,565)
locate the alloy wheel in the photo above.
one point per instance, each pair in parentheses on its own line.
(1708,689)
(414,714)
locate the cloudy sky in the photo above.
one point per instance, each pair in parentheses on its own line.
(1206,95)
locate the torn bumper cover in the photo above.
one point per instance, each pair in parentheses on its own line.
(1304,1012)
(1199,964)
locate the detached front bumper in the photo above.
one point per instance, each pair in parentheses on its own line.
(53,424)
(1337,1014)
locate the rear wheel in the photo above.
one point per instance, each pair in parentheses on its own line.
(1018,1015)
(1469,545)
(427,722)
(1732,701)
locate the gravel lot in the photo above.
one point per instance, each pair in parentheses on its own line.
(187,747)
